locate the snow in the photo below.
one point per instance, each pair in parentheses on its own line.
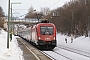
(15,53)
(81,42)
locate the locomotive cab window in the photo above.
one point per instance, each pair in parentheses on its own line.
(46,30)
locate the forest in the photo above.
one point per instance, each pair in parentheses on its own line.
(72,18)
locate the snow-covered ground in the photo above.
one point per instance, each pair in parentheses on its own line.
(81,43)
(75,51)
(15,53)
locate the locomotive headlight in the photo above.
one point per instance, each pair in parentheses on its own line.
(54,38)
(39,38)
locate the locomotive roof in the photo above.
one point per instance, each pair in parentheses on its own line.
(44,24)
(45,21)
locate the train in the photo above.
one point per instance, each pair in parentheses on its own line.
(41,35)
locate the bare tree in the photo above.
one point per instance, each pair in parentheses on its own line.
(31,13)
(1,12)
(1,15)
(45,11)
(72,16)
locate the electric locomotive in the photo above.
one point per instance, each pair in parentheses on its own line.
(42,35)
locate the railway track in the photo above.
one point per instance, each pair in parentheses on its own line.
(55,55)
(37,53)
(77,51)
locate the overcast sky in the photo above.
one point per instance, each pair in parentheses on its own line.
(26,4)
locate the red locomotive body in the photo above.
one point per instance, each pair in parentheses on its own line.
(42,35)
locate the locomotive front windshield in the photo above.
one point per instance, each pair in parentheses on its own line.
(46,30)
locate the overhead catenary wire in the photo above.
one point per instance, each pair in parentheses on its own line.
(51,5)
(45,3)
(18,13)
(19,9)
(54,3)
(15,11)
(41,6)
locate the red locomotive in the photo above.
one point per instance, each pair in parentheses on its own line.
(42,35)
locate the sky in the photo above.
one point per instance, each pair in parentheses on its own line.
(26,4)
(15,53)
